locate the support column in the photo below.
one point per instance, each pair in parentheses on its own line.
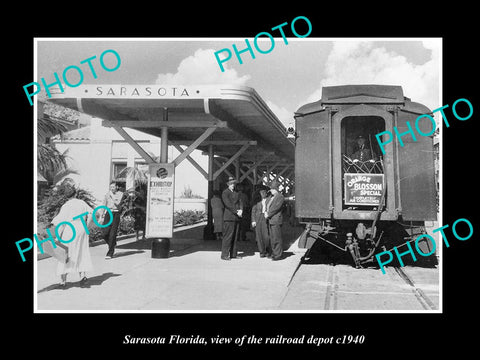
(237,169)
(164,137)
(161,246)
(130,176)
(208,229)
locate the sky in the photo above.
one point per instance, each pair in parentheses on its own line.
(287,77)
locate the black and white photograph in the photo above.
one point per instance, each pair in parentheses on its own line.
(282,188)
(269,189)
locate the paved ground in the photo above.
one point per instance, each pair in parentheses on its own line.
(194,278)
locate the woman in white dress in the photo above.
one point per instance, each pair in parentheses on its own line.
(78,256)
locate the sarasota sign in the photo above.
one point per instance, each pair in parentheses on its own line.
(156,91)
(140,91)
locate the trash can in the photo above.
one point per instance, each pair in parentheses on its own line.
(160,248)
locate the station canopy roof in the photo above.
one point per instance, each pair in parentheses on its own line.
(238,114)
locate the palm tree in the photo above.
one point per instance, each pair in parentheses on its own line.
(49,126)
(50,162)
(139,176)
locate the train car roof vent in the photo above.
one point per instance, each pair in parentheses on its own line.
(362,94)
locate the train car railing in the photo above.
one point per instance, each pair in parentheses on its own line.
(362,167)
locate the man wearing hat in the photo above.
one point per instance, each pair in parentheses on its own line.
(259,223)
(274,218)
(231,221)
(363,153)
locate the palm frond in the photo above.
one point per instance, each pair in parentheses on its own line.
(139,176)
(47,127)
(62,173)
(50,161)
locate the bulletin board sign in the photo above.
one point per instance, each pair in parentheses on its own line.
(160,197)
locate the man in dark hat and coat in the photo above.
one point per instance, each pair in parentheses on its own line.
(217,206)
(274,218)
(363,153)
(259,223)
(231,221)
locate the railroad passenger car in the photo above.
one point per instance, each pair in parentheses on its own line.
(350,195)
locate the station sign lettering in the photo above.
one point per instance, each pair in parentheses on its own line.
(155,91)
(140,91)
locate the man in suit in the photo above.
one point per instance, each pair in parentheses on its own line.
(217,206)
(231,221)
(274,218)
(259,223)
(363,153)
(245,205)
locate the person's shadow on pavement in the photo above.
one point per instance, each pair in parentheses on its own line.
(93,281)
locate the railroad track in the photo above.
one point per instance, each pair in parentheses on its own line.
(422,298)
(327,287)
(331,295)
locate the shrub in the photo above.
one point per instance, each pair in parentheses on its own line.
(126,225)
(188,217)
(96,233)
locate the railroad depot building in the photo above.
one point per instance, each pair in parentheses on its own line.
(220,131)
(98,155)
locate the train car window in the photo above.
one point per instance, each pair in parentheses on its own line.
(361,155)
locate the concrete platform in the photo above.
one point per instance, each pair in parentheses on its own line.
(192,279)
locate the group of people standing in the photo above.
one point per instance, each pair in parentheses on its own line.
(231,218)
(231,213)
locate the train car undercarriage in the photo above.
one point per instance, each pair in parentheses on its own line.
(362,240)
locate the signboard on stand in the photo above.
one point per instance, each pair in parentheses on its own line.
(160,197)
